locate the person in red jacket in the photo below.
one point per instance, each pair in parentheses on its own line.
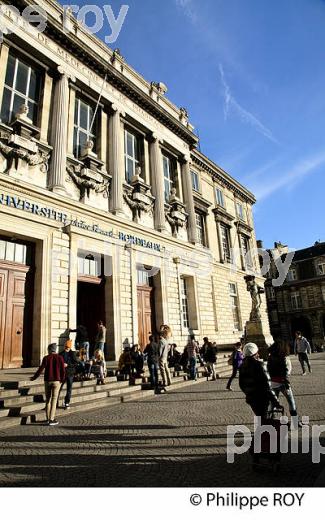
(54,375)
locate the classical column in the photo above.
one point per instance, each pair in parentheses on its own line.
(71,119)
(60,132)
(157,179)
(4,53)
(188,197)
(46,106)
(116,160)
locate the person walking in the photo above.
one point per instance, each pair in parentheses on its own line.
(279,367)
(254,381)
(152,351)
(164,335)
(70,364)
(210,358)
(54,373)
(302,348)
(101,336)
(192,352)
(236,362)
(82,339)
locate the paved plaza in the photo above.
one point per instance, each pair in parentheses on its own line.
(177,439)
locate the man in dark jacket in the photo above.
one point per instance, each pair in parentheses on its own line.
(254,381)
(236,361)
(210,358)
(70,363)
(54,372)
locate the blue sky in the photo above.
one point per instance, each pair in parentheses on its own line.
(252,75)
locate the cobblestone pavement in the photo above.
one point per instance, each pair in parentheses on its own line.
(178,439)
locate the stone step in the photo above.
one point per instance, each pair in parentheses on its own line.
(27,384)
(142,394)
(4,412)
(9,422)
(85,388)
(38,416)
(8,393)
(15,411)
(125,390)
(83,398)
(9,402)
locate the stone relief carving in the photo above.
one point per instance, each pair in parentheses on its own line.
(21,144)
(88,173)
(138,197)
(175,213)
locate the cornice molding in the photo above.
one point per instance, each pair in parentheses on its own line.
(90,58)
(222,177)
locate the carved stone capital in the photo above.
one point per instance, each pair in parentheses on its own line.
(64,72)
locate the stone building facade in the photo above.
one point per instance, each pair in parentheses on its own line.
(298,304)
(108,210)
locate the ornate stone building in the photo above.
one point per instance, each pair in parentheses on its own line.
(299,304)
(108,213)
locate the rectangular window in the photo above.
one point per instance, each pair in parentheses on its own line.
(143,276)
(184,303)
(296,302)
(225,243)
(89,265)
(200,228)
(168,176)
(84,115)
(220,198)
(271,293)
(240,211)
(195,181)
(131,154)
(234,301)
(321,269)
(22,87)
(246,252)
(11,252)
(292,275)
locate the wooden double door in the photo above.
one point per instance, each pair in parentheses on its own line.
(146,314)
(12,308)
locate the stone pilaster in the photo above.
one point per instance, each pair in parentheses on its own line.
(189,201)
(4,53)
(71,118)
(116,160)
(60,132)
(157,180)
(46,106)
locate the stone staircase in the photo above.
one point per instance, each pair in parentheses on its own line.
(22,401)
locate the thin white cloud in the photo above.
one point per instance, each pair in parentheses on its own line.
(230,103)
(288,178)
(188,8)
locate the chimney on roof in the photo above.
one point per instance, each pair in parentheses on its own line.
(259,244)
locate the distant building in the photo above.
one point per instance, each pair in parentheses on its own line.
(299,304)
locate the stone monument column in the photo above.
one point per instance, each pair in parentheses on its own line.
(256,332)
(157,180)
(189,201)
(116,160)
(59,134)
